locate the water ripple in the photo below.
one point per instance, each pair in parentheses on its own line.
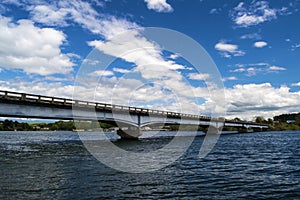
(243,166)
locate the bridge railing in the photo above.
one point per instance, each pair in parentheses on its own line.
(17,96)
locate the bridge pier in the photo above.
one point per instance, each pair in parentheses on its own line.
(213,130)
(129,133)
(258,129)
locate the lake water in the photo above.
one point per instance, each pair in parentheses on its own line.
(56,165)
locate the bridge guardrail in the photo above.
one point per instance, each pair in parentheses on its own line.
(9,95)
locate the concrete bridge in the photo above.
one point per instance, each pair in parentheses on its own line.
(21,105)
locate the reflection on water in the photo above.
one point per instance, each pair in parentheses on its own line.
(56,165)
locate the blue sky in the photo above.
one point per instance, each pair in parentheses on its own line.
(254,44)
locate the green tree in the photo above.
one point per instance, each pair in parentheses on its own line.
(270,121)
(8,125)
(260,120)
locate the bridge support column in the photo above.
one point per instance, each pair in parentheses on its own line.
(130,133)
(213,130)
(258,129)
(245,129)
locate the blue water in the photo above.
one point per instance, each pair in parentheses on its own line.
(56,165)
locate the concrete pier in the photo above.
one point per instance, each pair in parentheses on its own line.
(129,133)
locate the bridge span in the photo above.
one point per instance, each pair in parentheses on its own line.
(22,105)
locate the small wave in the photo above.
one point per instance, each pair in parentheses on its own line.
(17,147)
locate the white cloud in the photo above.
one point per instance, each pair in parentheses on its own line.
(159,5)
(255,68)
(250,100)
(199,77)
(228,50)
(121,70)
(174,56)
(260,44)
(258,12)
(230,78)
(251,71)
(111,26)
(90,62)
(146,55)
(101,73)
(296,84)
(276,68)
(49,15)
(32,49)
(238,70)
(67,12)
(226,47)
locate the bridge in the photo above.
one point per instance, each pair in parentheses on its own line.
(129,119)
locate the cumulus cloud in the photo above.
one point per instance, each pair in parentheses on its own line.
(159,5)
(257,12)
(46,42)
(250,100)
(228,50)
(260,44)
(32,49)
(199,77)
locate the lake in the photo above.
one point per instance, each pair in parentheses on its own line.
(56,165)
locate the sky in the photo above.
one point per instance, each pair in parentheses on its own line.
(97,50)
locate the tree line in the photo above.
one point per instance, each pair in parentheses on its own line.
(10,125)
